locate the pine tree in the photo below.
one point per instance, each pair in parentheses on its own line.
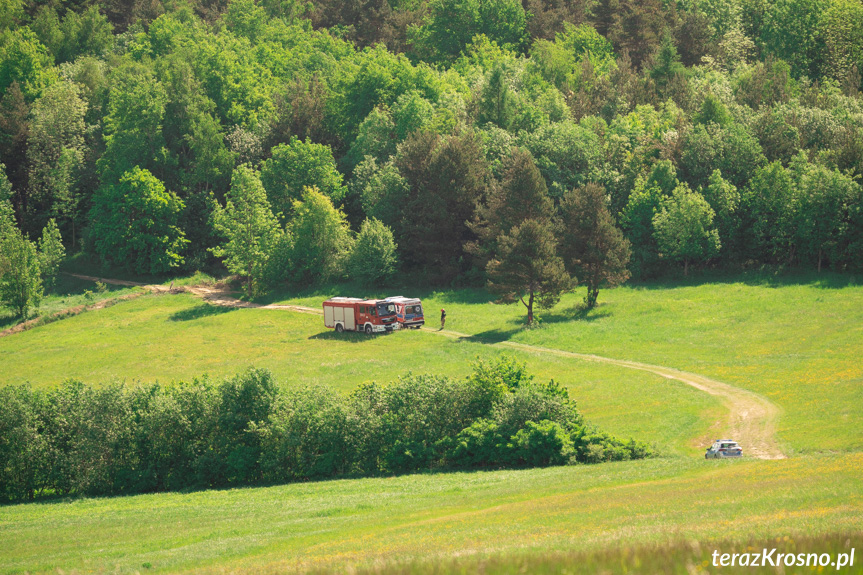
(592,247)
(517,235)
(527,265)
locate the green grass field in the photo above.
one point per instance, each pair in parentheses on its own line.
(366,522)
(796,341)
(165,338)
(68,292)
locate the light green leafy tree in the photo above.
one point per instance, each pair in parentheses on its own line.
(321,239)
(20,270)
(821,205)
(684,228)
(51,252)
(842,31)
(20,273)
(56,151)
(373,259)
(296,165)
(23,59)
(452,24)
(724,198)
(791,32)
(135,224)
(250,229)
(11,12)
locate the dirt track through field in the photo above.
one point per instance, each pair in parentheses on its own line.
(752,418)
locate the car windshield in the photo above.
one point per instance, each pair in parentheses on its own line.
(386,308)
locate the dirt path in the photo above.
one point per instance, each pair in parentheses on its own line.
(216,294)
(752,418)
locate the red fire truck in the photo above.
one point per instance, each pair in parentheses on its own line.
(409,311)
(355,314)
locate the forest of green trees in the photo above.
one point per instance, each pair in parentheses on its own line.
(525,145)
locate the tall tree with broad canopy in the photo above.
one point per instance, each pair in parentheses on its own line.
(451,25)
(527,265)
(56,152)
(684,228)
(134,224)
(822,202)
(446,177)
(320,238)
(295,166)
(520,195)
(517,236)
(592,247)
(250,229)
(373,259)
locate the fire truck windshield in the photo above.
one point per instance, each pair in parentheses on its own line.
(386,309)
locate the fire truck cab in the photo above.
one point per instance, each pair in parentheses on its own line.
(409,311)
(355,314)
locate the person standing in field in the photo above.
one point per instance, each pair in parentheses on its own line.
(442,318)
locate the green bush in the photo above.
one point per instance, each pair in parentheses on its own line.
(245,430)
(373,259)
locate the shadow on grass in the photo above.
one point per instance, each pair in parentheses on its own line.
(348,336)
(578,312)
(200,311)
(494,335)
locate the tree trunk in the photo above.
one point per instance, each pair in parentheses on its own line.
(685,268)
(530,309)
(592,296)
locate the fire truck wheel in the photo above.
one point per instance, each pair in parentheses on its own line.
(368,330)
(340,328)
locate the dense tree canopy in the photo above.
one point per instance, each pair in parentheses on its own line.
(407,114)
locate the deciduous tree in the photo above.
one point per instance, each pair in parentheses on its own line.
(684,228)
(250,229)
(320,238)
(373,259)
(134,224)
(51,252)
(295,166)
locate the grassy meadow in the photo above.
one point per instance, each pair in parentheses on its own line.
(368,522)
(797,341)
(167,338)
(68,292)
